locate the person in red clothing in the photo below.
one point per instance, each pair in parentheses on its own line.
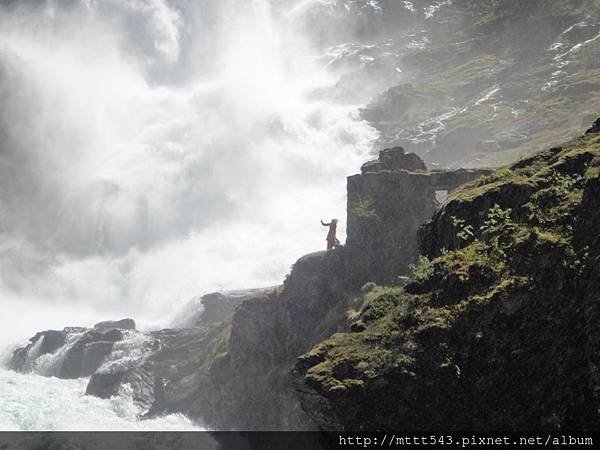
(332,241)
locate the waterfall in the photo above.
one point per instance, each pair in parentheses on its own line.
(175,148)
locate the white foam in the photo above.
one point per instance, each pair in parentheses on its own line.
(432,9)
(50,363)
(130,352)
(34,403)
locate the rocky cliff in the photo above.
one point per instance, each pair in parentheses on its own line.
(250,385)
(497,329)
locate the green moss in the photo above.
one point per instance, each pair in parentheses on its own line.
(481,314)
(498,175)
(470,192)
(592,173)
(363,208)
(478,68)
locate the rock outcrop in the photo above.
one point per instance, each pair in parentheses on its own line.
(249,384)
(507,311)
(211,309)
(79,351)
(219,306)
(42,343)
(89,352)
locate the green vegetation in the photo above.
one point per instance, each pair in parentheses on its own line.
(364,209)
(498,311)
(495,84)
(423,270)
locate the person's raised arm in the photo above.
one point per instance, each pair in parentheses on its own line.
(324,224)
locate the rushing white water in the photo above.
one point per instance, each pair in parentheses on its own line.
(32,402)
(50,363)
(152,151)
(36,400)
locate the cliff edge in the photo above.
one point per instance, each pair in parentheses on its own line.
(497,327)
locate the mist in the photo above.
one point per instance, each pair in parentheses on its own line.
(152,151)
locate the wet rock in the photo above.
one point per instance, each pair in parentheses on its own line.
(140,382)
(51,341)
(89,352)
(218,306)
(123,324)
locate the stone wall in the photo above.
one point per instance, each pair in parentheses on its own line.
(387,204)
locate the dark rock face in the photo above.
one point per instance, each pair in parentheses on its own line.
(163,368)
(141,382)
(508,313)
(249,386)
(211,309)
(218,306)
(52,340)
(81,359)
(595,127)
(123,324)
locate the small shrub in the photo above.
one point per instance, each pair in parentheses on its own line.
(364,209)
(464,232)
(423,270)
(498,231)
(368,287)
(498,175)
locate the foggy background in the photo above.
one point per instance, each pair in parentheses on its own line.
(151,151)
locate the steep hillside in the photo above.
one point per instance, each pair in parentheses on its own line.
(498,330)
(467,83)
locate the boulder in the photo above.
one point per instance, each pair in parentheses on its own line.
(212,309)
